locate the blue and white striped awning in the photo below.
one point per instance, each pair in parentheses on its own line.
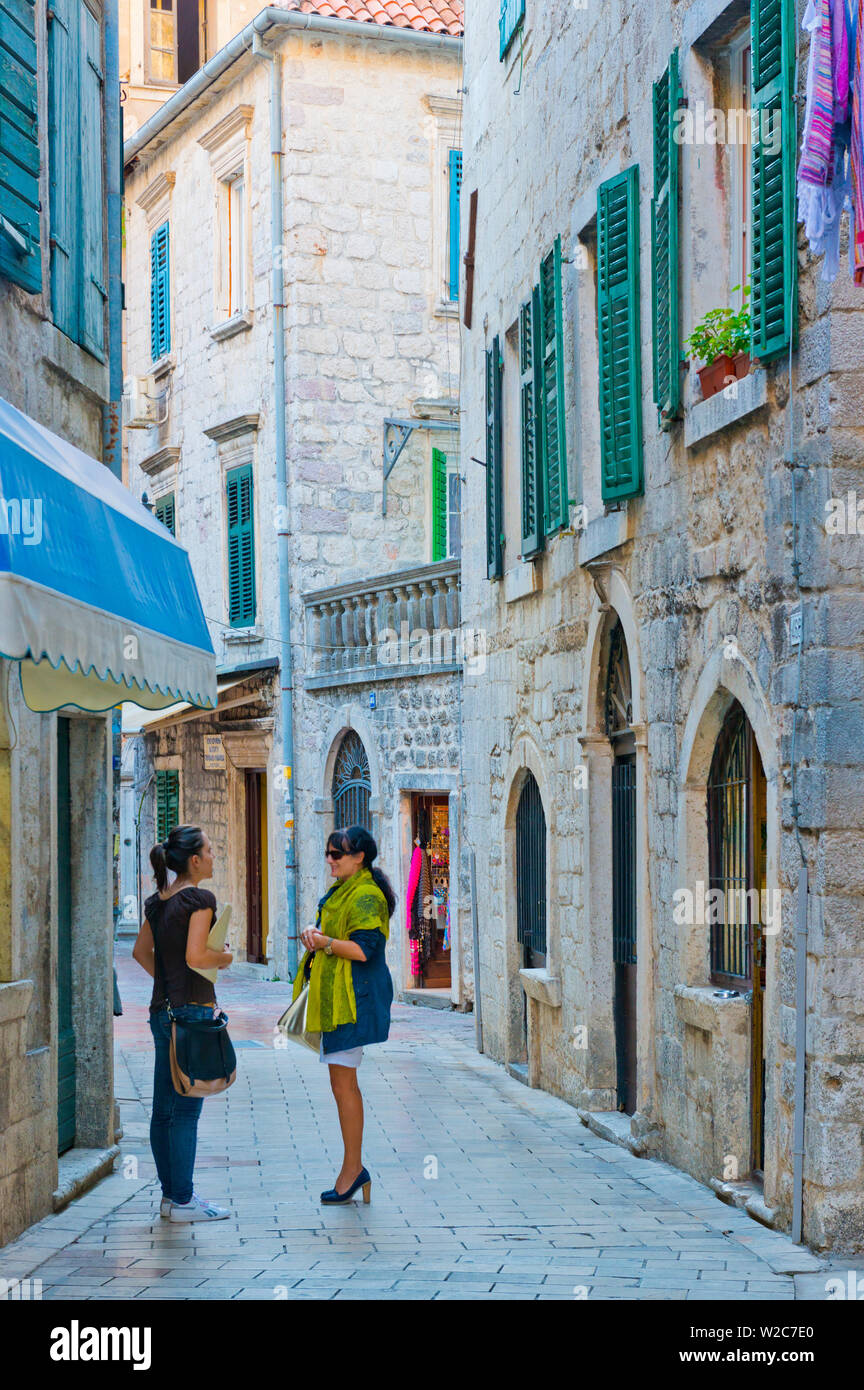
(97,599)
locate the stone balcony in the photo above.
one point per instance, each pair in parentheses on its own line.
(397,626)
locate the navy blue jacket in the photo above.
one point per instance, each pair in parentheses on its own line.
(373,994)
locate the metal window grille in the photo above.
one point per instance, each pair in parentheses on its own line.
(531,868)
(352,786)
(729,851)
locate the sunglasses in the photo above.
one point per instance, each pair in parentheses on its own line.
(334,853)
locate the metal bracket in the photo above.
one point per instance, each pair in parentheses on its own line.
(396,436)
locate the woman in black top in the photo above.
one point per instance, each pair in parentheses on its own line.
(180,917)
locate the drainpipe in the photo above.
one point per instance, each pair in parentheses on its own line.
(283,515)
(111,439)
(800,1056)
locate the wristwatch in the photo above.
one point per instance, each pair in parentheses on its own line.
(328,949)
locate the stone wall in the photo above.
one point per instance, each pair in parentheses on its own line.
(705,556)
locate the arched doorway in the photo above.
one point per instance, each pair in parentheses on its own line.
(737,859)
(352,785)
(530,888)
(618,712)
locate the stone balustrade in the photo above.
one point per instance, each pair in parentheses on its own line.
(403,624)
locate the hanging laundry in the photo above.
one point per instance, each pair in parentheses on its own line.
(857,150)
(413,884)
(818,205)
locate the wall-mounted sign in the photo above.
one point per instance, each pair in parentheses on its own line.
(214,753)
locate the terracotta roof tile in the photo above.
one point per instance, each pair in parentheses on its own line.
(427,16)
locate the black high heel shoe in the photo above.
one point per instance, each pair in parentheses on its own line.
(332,1198)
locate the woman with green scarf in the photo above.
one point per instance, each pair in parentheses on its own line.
(350,989)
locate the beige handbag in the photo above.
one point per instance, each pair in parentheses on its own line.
(292,1024)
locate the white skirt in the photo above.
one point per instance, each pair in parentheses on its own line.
(351,1057)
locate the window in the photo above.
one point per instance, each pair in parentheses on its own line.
(531,874)
(736,850)
(446,507)
(20,252)
(176,40)
(164,511)
(76,179)
(494,464)
(739,148)
(235,250)
(774,256)
(512,16)
(241,547)
(619,337)
(666,338)
(545,493)
(160,285)
(352,785)
(167,803)
(455,189)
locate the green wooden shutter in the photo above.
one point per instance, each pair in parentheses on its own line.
(20,248)
(455,171)
(241,547)
(512,15)
(160,292)
(666,336)
(164,512)
(494,509)
(555,493)
(531,420)
(64,38)
(618,334)
(167,803)
(91,188)
(439,505)
(773,268)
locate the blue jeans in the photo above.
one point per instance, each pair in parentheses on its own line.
(174,1122)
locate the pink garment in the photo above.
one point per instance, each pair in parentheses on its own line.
(840,60)
(413,880)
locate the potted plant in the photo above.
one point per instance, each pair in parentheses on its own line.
(722,341)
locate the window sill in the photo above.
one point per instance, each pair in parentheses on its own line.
(447,309)
(738,400)
(699,1006)
(605,533)
(242,636)
(163,366)
(523,579)
(238,323)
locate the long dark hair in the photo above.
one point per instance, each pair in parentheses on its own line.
(175,852)
(357,840)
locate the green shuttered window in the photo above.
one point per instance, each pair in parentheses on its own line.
(555,501)
(512,15)
(530,352)
(619,336)
(773,270)
(494,470)
(167,803)
(160,292)
(455,182)
(20,257)
(241,547)
(76,174)
(666,336)
(164,512)
(439,505)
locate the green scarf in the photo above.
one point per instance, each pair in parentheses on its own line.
(355,904)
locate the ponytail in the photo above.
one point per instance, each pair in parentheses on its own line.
(357,840)
(174,853)
(160,868)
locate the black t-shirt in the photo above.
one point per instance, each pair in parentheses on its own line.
(169,923)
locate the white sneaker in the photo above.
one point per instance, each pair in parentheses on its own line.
(199,1209)
(165,1206)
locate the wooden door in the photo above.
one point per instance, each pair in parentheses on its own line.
(758,855)
(254,886)
(66,1061)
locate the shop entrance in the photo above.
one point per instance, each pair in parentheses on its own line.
(256,866)
(429,892)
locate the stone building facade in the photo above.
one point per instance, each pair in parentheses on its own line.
(678,661)
(371,115)
(57,1122)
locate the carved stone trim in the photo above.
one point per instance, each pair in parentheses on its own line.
(168,457)
(156,190)
(232,429)
(237,120)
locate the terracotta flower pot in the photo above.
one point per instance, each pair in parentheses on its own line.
(742,365)
(715,376)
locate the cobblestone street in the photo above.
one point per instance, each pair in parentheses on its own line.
(482,1188)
